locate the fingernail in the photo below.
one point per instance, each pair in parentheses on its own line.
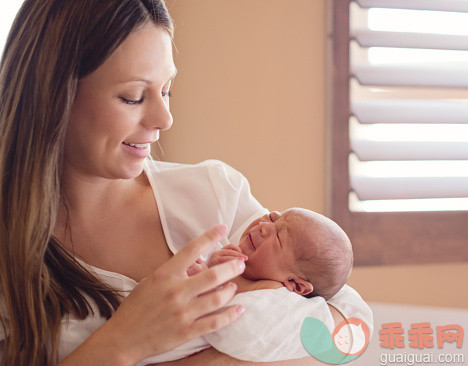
(241,265)
(221,229)
(240,310)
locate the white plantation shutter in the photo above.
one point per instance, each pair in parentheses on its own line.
(437,5)
(408,134)
(399,128)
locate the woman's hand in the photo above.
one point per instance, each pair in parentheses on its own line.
(169,308)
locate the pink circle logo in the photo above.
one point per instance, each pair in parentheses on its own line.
(351,336)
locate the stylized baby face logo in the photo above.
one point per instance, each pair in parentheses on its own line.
(349,340)
(350,337)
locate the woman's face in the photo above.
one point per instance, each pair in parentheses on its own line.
(120,108)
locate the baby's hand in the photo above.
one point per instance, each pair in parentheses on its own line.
(197,267)
(226,254)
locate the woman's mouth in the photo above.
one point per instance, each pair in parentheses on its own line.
(138,150)
(138,146)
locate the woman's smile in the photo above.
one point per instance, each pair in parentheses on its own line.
(138,150)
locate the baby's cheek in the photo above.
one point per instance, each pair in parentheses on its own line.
(250,270)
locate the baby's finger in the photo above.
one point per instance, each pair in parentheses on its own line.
(219,260)
(185,257)
(232,254)
(194,269)
(233,247)
(215,276)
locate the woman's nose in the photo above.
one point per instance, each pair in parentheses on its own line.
(158,115)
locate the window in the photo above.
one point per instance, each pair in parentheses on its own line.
(400,128)
(8,10)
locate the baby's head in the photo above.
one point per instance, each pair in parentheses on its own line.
(309,253)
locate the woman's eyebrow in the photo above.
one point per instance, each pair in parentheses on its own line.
(146,81)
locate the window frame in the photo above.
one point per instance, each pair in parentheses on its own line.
(379,238)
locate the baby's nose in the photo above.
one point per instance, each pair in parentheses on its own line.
(266,228)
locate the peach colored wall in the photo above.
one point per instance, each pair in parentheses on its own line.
(441,285)
(251,92)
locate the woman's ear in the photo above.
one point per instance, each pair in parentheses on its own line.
(299,286)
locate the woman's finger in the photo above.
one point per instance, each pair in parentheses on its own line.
(185,257)
(212,301)
(213,322)
(214,277)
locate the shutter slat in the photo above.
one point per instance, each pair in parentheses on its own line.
(397,75)
(410,111)
(379,188)
(368,150)
(425,204)
(408,180)
(368,38)
(438,5)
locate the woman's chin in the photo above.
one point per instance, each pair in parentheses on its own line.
(130,170)
(132,174)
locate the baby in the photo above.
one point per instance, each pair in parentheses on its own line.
(300,249)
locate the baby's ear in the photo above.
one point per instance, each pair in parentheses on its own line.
(299,286)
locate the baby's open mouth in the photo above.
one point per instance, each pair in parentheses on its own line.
(251,242)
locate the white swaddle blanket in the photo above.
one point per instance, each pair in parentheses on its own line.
(270,328)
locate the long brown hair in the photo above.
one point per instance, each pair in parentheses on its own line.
(51,45)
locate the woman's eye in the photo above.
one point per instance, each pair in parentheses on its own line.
(132,102)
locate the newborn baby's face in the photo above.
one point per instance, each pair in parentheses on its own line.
(268,243)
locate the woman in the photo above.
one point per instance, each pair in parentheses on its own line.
(84,90)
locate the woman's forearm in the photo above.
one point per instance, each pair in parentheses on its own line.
(98,345)
(99,349)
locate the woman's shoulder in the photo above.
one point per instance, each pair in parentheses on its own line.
(222,192)
(215,171)
(161,166)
